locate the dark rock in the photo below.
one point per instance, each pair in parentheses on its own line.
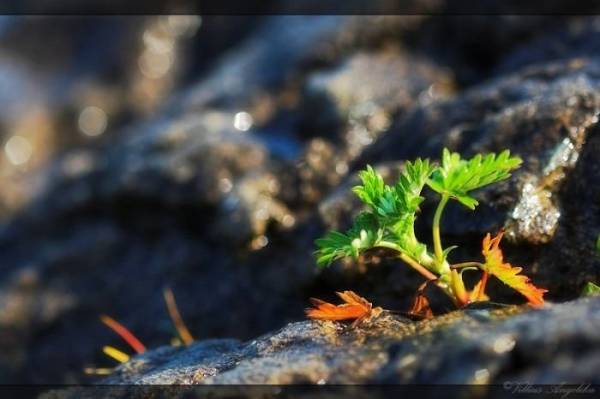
(548,116)
(187,204)
(576,38)
(349,106)
(556,344)
(221,192)
(199,162)
(284,49)
(481,349)
(358,99)
(214,355)
(478,42)
(262,63)
(78,86)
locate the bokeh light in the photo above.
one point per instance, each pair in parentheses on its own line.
(92,121)
(18,150)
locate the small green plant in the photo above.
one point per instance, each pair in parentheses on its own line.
(389,218)
(590,289)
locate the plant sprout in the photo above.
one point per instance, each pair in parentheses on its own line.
(590,289)
(390,214)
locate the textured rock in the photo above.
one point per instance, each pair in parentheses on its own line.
(184,198)
(220,194)
(353,103)
(282,50)
(116,223)
(88,78)
(576,38)
(363,94)
(548,116)
(556,344)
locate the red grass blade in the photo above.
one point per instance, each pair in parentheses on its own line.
(124,333)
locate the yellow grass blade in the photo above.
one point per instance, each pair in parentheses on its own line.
(116,354)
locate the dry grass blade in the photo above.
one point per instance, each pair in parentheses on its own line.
(180,326)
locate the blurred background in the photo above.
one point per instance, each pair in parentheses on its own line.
(206,153)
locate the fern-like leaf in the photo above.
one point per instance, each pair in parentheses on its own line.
(372,189)
(391,214)
(408,191)
(364,234)
(456,177)
(411,183)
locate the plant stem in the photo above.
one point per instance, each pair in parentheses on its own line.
(418,267)
(439,281)
(409,260)
(466,264)
(437,243)
(458,288)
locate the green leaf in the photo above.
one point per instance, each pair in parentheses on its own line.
(392,214)
(378,196)
(411,183)
(394,202)
(598,245)
(333,246)
(364,234)
(590,289)
(456,177)
(448,250)
(372,188)
(408,190)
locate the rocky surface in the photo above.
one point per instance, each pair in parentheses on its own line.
(546,114)
(512,345)
(214,173)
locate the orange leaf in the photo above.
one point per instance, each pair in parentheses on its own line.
(478,294)
(421,308)
(355,308)
(507,273)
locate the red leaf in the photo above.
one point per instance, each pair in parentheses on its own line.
(507,273)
